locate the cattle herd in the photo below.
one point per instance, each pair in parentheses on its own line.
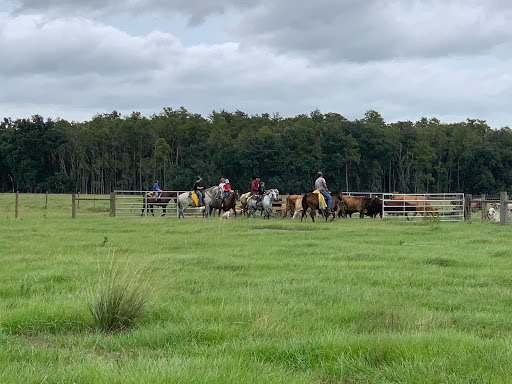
(402,205)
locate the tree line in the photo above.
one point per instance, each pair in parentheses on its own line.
(112,152)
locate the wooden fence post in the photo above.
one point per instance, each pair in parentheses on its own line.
(46,205)
(112,204)
(73,206)
(16,206)
(467,207)
(483,205)
(503,208)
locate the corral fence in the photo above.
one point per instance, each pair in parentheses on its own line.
(482,203)
(138,203)
(412,207)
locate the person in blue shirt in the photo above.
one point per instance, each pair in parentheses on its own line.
(156,189)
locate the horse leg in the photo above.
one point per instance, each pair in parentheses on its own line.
(164,208)
(313,214)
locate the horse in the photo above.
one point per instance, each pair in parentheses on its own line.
(230,202)
(212,200)
(310,200)
(148,201)
(265,205)
(243,203)
(185,201)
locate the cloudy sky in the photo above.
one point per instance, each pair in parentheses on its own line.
(450,59)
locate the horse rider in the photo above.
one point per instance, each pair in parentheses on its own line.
(255,184)
(321,186)
(226,189)
(156,189)
(221,187)
(261,191)
(197,189)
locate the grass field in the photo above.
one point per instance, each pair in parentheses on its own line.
(253,301)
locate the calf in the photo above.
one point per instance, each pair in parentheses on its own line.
(293,205)
(374,207)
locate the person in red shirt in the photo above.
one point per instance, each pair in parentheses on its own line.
(226,189)
(255,185)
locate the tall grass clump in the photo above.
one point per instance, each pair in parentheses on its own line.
(120,298)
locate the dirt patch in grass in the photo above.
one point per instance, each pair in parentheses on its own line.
(284,229)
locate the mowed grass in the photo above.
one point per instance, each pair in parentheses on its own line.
(254,301)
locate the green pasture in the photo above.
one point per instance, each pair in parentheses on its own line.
(254,301)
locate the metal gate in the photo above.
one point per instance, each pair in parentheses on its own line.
(413,207)
(134,204)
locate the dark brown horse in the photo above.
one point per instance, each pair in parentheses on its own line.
(149,201)
(310,200)
(230,202)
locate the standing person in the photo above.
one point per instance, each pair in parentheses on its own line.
(197,190)
(321,186)
(221,187)
(255,184)
(156,189)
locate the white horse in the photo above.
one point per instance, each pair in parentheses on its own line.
(265,205)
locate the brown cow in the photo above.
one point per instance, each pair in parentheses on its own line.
(399,208)
(352,204)
(292,202)
(421,203)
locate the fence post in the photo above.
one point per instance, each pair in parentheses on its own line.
(146,204)
(16,206)
(112,204)
(467,207)
(73,206)
(46,205)
(483,206)
(503,208)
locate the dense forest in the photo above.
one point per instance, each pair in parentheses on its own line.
(112,152)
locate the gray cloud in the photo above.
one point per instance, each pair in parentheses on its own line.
(332,30)
(375,30)
(72,67)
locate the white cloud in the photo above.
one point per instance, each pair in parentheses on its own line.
(282,58)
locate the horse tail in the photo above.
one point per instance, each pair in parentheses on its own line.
(305,202)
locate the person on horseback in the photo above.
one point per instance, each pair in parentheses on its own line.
(156,189)
(197,190)
(261,191)
(255,184)
(226,190)
(221,187)
(321,186)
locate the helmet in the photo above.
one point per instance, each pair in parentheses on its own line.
(156,181)
(320,174)
(227,181)
(198,177)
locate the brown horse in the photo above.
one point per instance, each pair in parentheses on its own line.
(310,200)
(149,201)
(230,202)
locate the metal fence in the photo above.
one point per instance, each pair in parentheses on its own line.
(138,203)
(413,207)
